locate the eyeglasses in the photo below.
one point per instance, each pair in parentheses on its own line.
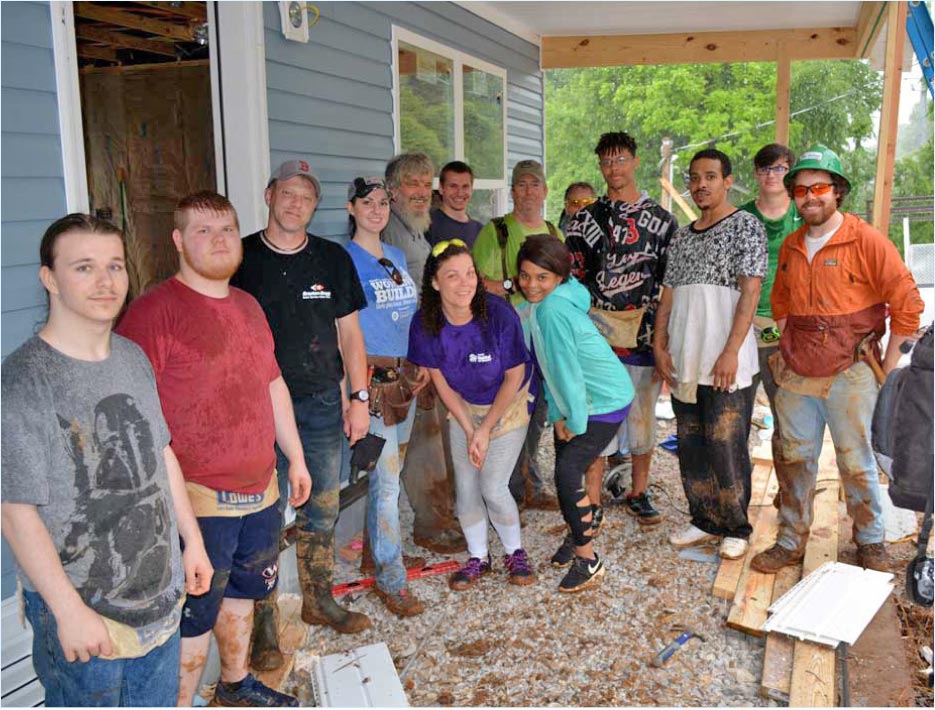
(391,269)
(778,169)
(440,248)
(583,202)
(818,189)
(619,160)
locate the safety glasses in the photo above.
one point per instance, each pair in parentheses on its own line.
(818,189)
(391,270)
(778,169)
(583,202)
(439,248)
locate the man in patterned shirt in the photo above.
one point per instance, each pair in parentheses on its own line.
(618,246)
(706,352)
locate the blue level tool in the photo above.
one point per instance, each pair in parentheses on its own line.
(919,27)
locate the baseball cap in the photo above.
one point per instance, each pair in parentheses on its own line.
(291,168)
(363,186)
(527,167)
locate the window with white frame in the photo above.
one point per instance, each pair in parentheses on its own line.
(452,106)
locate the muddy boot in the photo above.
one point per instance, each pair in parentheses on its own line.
(264,651)
(315,558)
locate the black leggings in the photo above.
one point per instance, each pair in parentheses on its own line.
(572,459)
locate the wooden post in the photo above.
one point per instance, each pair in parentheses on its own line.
(783,81)
(886,146)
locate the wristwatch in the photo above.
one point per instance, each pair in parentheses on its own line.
(508,285)
(361,395)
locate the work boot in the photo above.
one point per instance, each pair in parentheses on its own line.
(264,650)
(873,556)
(775,558)
(539,499)
(445,542)
(315,558)
(402,603)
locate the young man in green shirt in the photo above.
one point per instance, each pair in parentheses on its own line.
(775,209)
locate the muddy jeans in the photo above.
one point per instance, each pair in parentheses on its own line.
(425,475)
(769,385)
(847,411)
(714,460)
(383,503)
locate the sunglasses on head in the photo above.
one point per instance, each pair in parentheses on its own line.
(391,270)
(440,248)
(818,189)
(581,202)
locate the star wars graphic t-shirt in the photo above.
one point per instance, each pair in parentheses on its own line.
(83,442)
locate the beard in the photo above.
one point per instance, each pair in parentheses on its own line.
(418,223)
(216,268)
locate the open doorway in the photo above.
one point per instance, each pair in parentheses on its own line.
(146,109)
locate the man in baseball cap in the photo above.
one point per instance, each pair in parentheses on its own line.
(290,169)
(836,278)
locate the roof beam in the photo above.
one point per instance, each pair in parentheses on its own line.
(106,54)
(191,10)
(869,23)
(698,47)
(120,18)
(95,34)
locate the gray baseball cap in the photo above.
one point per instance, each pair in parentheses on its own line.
(294,167)
(527,167)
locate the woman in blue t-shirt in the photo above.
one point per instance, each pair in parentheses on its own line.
(473,345)
(587,389)
(391,303)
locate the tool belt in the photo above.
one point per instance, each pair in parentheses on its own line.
(824,345)
(620,328)
(391,383)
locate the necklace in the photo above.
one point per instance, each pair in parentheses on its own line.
(280,250)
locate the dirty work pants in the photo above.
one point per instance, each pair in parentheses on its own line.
(847,411)
(383,502)
(484,493)
(526,466)
(321,429)
(714,460)
(425,475)
(769,385)
(640,428)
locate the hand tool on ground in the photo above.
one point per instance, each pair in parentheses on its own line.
(665,654)
(362,585)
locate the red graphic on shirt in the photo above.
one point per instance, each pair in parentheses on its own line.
(633,236)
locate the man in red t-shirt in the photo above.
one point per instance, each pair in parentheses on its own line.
(226,405)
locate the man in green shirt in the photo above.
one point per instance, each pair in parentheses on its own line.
(775,209)
(495,253)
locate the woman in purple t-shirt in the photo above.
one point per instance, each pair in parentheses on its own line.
(473,346)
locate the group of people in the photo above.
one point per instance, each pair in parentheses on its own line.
(147,471)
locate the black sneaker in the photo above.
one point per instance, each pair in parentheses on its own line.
(251,693)
(565,554)
(597,520)
(583,574)
(641,506)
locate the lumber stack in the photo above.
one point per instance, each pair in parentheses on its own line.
(799,672)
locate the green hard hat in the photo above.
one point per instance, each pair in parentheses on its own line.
(818,157)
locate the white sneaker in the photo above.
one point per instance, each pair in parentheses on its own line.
(733,548)
(690,536)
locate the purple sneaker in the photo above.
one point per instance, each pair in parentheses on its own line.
(470,572)
(518,566)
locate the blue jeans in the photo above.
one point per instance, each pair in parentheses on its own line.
(321,429)
(383,503)
(847,411)
(149,681)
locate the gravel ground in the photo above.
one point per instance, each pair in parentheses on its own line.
(503,645)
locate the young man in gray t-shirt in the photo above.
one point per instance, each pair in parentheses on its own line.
(93,498)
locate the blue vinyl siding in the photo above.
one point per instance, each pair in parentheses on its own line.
(32,186)
(331,100)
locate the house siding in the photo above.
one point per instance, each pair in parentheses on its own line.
(331,100)
(32,183)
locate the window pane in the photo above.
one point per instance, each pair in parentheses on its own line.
(483,205)
(426,103)
(483,123)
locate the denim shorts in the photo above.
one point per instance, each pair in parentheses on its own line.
(149,681)
(245,554)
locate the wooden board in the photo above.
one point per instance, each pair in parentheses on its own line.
(772,488)
(777,659)
(755,589)
(292,633)
(759,480)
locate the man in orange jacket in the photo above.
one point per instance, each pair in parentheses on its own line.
(835,279)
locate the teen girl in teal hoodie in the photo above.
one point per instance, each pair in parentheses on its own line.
(587,389)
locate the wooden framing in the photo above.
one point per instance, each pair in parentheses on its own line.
(869,23)
(886,144)
(698,47)
(91,11)
(783,85)
(117,39)
(190,10)
(106,54)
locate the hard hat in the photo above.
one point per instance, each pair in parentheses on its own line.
(818,157)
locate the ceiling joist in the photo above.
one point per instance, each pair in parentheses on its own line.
(105,54)
(869,23)
(698,47)
(190,10)
(117,39)
(92,11)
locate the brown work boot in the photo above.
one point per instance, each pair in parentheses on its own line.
(368,567)
(315,558)
(775,558)
(264,651)
(444,542)
(873,556)
(402,603)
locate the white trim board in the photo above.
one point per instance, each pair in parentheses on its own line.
(491,13)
